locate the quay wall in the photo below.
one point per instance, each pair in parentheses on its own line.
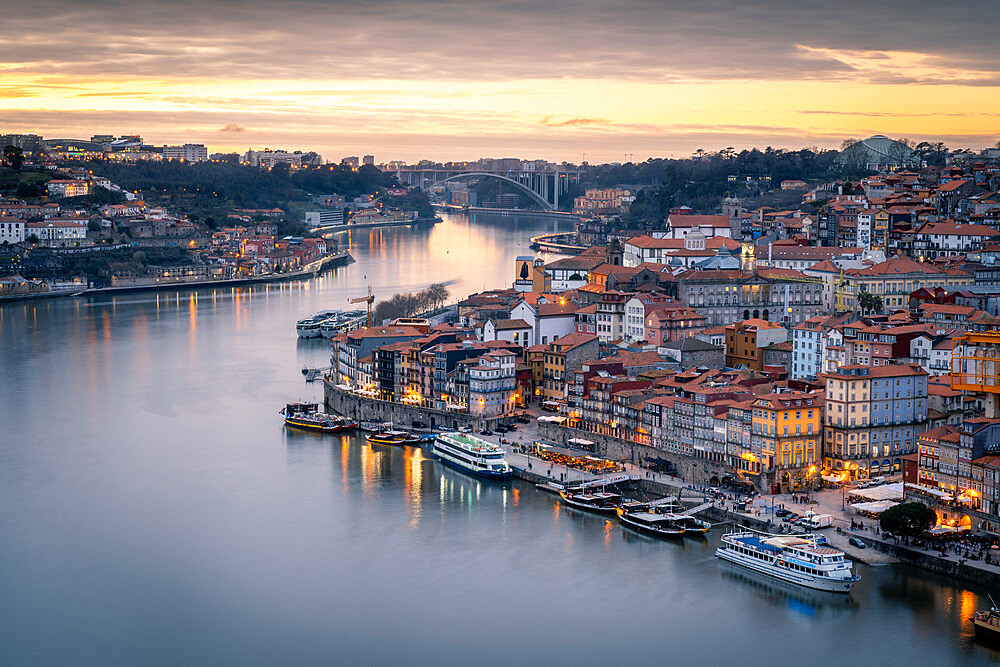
(933,563)
(364,408)
(692,470)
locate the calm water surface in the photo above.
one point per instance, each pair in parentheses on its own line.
(153,510)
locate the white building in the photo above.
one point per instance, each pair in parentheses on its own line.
(187,152)
(863,231)
(68,188)
(809,341)
(937,238)
(11,230)
(56,231)
(548,321)
(492,384)
(512,331)
(328,218)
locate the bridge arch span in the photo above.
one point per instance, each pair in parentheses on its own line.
(483,174)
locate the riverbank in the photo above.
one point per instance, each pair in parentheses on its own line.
(311,270)
(506,211)
(337,229)
(557,242)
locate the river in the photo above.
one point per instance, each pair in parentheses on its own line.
(153,510)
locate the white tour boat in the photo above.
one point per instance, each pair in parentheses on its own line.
(471,454)
(310,326)
(805,560)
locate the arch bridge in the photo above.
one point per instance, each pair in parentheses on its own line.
(543,187)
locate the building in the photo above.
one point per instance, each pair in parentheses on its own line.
(873,415)
(787,435)
(948,237)
(689,352)
(368,160)
(11,230)
(68,188)
(267,158)
(55,231)
(517,332)
(892,280)
(563,358)
(726,296)
(492,384)
(186,152)
(745,342)
(326,218)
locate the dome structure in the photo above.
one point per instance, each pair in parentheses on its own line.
(879,152)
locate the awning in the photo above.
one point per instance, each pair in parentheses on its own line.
(884,492)
(876,507)
(580,441)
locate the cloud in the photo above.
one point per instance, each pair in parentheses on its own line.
(574,122)
(232,128)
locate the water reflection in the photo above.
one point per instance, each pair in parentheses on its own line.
(800,601)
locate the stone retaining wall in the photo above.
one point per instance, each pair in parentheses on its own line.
(690,469)
(362,408)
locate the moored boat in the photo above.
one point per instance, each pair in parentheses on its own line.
(307,416)
(470,454)
(603,502)
(309,327)
(805,560)
(986,623)
(393,438)
(649,522)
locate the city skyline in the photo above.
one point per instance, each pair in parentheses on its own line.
(443,80)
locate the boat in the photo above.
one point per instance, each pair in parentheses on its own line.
(393,438)
(649,522)
(693,526)
(986,624)
(470,454)
(307,416)
(309,327)
(341,321)
(805,560)
(603,502)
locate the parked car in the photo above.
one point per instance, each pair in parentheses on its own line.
(524,418)
(855,542)
(511,427)
(419,424)
(465,429)
(781,512)
(501,428)
(877,481)
(864,485)
(486,431)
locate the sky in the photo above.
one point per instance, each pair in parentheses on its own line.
(458,80)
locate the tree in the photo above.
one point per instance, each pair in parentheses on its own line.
(907,519)
(869,303)
(14,157)
(93,226)
(32,238)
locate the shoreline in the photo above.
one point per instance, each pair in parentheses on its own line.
(344,258)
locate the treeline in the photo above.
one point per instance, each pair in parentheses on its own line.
(241,185)
(408,305)
(704,179)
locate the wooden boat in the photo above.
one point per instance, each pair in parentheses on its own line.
(602,502)
(308,417)
(393,438)
(986,624)
(651,523)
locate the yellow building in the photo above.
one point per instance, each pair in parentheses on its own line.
(786,428)
(893,280)
(880,230)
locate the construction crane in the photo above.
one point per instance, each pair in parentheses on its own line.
(370,299)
